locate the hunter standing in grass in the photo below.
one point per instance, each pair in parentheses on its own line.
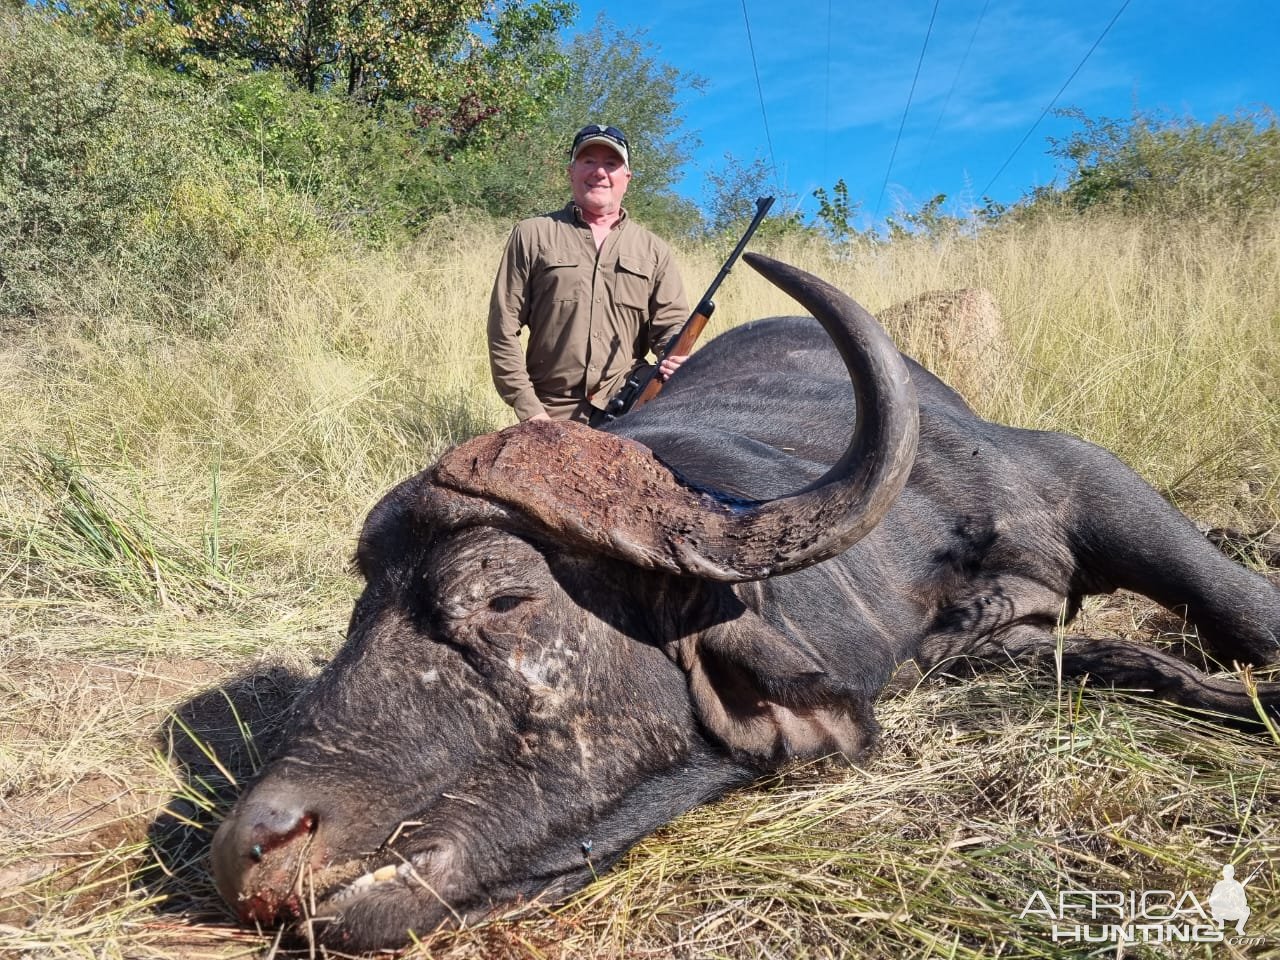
(597,291)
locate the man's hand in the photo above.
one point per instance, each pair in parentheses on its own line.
(540,416)
(669,366)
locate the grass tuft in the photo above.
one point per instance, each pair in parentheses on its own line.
(86,541)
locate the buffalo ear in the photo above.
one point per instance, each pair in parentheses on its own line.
(769,699)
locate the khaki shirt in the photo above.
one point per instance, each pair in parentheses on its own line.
(592,316)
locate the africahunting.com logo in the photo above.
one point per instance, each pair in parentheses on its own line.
(1147,916)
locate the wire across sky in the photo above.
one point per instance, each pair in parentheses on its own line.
(906,101)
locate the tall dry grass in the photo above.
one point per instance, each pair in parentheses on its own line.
(318,383)
(179,501)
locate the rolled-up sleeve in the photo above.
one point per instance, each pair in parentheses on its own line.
(506,316)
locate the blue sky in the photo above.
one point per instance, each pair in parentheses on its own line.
(834,98)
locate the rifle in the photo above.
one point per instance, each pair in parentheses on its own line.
(643,385)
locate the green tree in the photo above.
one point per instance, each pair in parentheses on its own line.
(732,189)
(152,29)
(613,77)
(835,212)
(470,67)
(618,77)
(368,171)
(928,221)
(108,166)
(1179,167)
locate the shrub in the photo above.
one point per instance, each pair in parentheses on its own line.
(112,170)
(1151,165)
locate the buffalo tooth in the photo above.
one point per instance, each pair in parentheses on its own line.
(384,873)
(343,895)
(362,882)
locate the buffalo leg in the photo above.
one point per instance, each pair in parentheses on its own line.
(1111,662)
(1144,669)
(1125,535)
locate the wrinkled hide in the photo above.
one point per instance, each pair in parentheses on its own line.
(568,637)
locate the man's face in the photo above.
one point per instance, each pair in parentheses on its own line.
(599,179)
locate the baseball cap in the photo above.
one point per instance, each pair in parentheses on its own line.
(611,137)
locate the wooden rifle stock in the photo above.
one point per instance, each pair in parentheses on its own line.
(639,389)
(680,347)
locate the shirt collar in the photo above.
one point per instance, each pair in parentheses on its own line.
(575,211)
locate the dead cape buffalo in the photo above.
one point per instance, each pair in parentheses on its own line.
(568,635)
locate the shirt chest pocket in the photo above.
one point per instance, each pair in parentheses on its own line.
(559,279)
(632,281)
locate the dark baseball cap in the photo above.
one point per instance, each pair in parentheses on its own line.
(611,137)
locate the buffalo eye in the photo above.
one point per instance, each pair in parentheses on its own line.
(505,602)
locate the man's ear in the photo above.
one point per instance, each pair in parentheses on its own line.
(769,699)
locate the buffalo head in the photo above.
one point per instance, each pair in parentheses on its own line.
(550,658)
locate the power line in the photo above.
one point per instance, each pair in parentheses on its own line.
(826,108)
(956,79)
(760,90)
(907,108)
(1043,113)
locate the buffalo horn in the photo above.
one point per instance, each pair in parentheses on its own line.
(613,495)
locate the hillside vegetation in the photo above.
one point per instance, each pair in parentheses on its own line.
(181,504)
(251,447)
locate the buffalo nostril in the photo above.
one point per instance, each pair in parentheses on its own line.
(273,828)
(258,851)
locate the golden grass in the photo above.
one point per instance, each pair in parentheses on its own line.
(260,443)
(179,508)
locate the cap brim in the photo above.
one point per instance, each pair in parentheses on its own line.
(605,142)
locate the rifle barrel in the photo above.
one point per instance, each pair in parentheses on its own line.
(705,305)
(638,391)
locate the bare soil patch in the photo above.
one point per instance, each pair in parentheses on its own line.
(97,760)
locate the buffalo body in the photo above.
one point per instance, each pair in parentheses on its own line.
(568,637)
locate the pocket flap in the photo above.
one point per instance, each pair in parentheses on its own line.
(633,265)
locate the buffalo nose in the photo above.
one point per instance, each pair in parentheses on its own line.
(256,854)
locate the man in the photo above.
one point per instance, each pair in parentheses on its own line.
(597,291)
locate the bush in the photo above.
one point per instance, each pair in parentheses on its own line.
(363,169)
(1150,165)
(58,202)
(108,169)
